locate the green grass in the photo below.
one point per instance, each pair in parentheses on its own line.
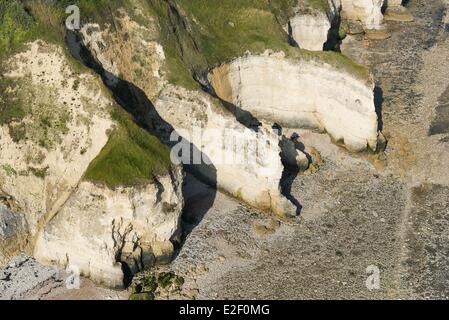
(319,5)
(16,26)
(11,106)
(205,34)
(229,28)
(132,156)
(210,32)
(39,172)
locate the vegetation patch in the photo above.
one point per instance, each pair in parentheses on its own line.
(132,156)
(32,112)
(39,172)
(11,106)
(152,284)
(201,34)
(10,171)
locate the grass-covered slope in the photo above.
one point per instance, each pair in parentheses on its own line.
(200,34)
(131,156)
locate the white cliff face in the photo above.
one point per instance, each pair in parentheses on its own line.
(256,182)
(45,206)
(309,28)
(310,31)
(297,93)
(44,155)
(254,179)
(369,12)
(98,230)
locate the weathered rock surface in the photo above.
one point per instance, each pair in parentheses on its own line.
(100,229)
(310,27)
(250,169)
(46,207)
(13,233)
(369,12)
(43,156)
(298,93)
(140,61)
(310,31)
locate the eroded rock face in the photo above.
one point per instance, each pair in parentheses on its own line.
(309,28)
(64,126)
(104,233)
(46,206)
(369,12)
(310,31)
(255,182)
(139,61)
(254,179)
(297,93)
(13,233)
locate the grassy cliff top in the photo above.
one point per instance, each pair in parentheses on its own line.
(220,30)
(196,34)
(315,5)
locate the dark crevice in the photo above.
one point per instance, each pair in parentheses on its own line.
(334,39)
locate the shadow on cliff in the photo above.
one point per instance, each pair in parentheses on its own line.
(135,102)
(248,120)
(378,102)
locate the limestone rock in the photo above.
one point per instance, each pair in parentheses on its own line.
(292,156)
(44,154)
(310,26)
(184,109)
(369,12)
(13,233)
(99,229)
(296,93)
(250,170)
(46,207)
(310,31)
(140,61)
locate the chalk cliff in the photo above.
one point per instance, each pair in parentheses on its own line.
(55,153)
(242,162)
(184,109)
(369,12)
(297,93)
(109,234)
(310,27)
